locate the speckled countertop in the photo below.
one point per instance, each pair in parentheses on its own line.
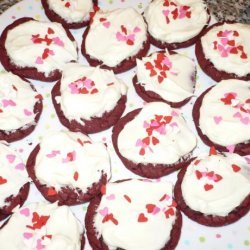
(238,10)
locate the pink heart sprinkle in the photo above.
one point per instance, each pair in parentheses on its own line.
(27,112)
(20,166)
(137,29)
(131,37)
(11,158)
(58,41)
(120,37)
(245,120)
(27,235)
(156,210)
(217,119)
(104,211)
(53,153)
(88,83)
(51,52)
(174,113)
(39,60)
(237,115)
(165,12)
(224,41)
(39,245)
(230,148)
(7,103)
(139,143)
(111,197)
(25,212)
(106,24)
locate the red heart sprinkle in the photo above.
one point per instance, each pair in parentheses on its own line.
(235,168)
(39,97)
(175,13)
(130,42)
(102,19)
(146,140)
(168,119)
(152,72)
(243,55)
(218,178)
(149,65)
(51,192)
(169,212)
(198,174)
(150,208)
(50,31)
(142,218)
(231,42)
(208,187)
(2,180)
(67,5)
(236,33)
(220,34)
(155,140)
(197,162)
(212,151)
(234,50)
(142,151)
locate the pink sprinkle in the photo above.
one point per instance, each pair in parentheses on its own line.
(27,112)
(165,12)
(110,197)
(39,245)
(217,119)
(53,153)
(104,211)
(230,148)
(245,120)
(25,212)
(137,29)
(58,41)
(106,24)
(237,115)
(20,166)
(39,60)
(11,158)
(120,37)
(7,103)
(27,235)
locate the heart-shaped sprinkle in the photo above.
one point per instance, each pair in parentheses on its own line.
(245,120)
(208,187)
(230,148)
(50,31)
(198,174)
(27,112)
(39,60)
(217,119)
(236,168)
(106,24)
(104,211)
(27,235)
(51,192)
(169,212)
(11,158)
(20,166)
(7,103)
(110,197)
(212,151)
(142,218)
(25,212)
(2,180)
(150,208)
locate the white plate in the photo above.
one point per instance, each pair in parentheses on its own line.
(193,236)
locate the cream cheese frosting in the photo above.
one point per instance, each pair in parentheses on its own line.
(173,21)
(95,90)
(13,174)
(225,113)
(169,76)
(129,220)
(42,226)
(73,11)
(42,45)
(17,101)
(221,184)
(227,47)
(71,159)
(115,35)
(158,135)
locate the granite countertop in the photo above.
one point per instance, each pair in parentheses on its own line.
(237,10)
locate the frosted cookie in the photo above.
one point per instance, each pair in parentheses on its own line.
(175,24)
(165,76)
(36,50)
(88,99)
(69,168)
(153,141)
(115,39)
(123,218)
(42,226)
(73,14)
(223,51)
(14,181)
(222,189)
(222,116)
(20,107)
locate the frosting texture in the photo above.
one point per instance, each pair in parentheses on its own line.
(17,101)
(158,135)
(42,226)
(42,45)
(175,21)
(95,90)
(129,220)
(221,184)
(227,47)
(71,159)
(13,174)
(169,76)
(72,11)
(115,35)
(225,113)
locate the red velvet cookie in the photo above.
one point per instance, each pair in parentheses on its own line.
(172,25)
(43,226)
(122,205)
(100,94)
(71,16)
(147,140)
(46,47)
(67,167)
(223,52)
(214,201)
(165,76)
(115,39)
(14,181)
(20,107)
(222,116)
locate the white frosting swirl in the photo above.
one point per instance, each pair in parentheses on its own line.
(108,42)
(138,223)
(179,81)
(225,55)
(164,26)
(54,228)
(225,120)
(17,101)
(149,139)
(13,174)
(71,159)
(73,11)
(102,92)
(227,179)
(42,45)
